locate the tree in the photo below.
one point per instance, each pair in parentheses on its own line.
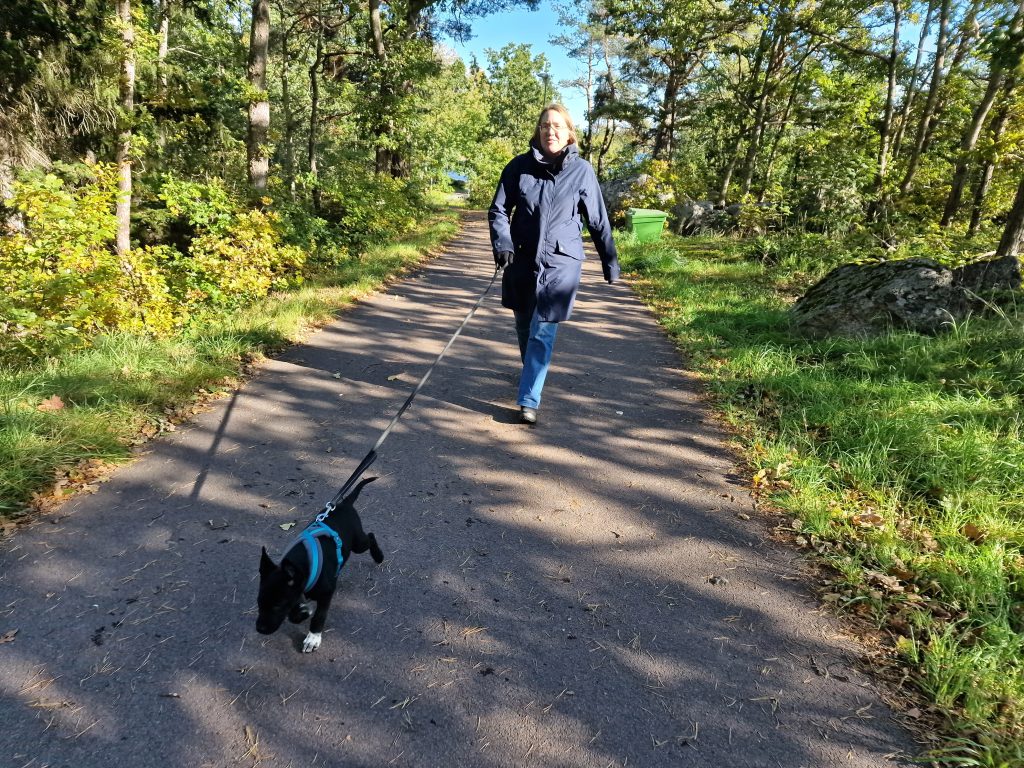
(1007,48)
(259,102)
(125,120)
(928,113)
(516,91)
(1013,236)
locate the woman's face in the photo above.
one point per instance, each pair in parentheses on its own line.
(554,133)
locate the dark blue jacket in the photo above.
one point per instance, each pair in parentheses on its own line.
(538,212)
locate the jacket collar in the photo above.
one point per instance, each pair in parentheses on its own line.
(567,155)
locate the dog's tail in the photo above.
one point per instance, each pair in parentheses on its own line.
(351,498)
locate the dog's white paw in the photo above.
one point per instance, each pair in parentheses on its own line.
(312,642)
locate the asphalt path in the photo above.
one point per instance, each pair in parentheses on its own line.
(597,590)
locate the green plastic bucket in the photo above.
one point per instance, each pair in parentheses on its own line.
(645,223)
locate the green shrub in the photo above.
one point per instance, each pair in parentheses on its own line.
(61,281)
(656,191)
(486,165)
(243,263)
(207,206)
(361,209)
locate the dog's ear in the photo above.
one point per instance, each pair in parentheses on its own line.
(266,564)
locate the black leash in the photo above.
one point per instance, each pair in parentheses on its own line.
(372,455)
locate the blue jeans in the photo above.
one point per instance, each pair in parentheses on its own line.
(536,343)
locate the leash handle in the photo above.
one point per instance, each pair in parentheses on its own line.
(372,455)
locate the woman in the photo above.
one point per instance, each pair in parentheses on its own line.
(543,199)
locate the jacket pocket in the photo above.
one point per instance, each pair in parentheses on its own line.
(571,247)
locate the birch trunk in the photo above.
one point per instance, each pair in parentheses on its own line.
(124,136)
(933,95)
(988,168)
(259,105)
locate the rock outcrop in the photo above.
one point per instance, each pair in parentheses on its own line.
(912,294)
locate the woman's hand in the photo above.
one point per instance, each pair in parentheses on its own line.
(503,258)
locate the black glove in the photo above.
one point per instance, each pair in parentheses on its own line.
(503,258)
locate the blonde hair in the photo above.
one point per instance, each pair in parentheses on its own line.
(552,107)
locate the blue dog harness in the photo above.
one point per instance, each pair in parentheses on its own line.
(310,539)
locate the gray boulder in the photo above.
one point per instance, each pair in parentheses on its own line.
(692,216)
(912,294)
(617,190)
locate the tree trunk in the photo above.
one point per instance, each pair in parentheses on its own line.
(126,118)
(385,157)
(885,130)
(609,124)
(376,30)
(587,139)
(930,102)
(968,32)
(988,168)
(775,61)
(1002,272)
(908,99)
(742,128)
(259,105)
(288,138)
(973,132)
(314,118)
(1013,235)
(967,144)
(783,125)
(161,54)
(663,134)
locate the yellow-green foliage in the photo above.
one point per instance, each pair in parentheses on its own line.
(244,263)
(656,191)
(62,282)
(60,279)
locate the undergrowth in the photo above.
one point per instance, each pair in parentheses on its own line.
(898,460)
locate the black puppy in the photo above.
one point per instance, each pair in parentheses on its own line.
(310,567)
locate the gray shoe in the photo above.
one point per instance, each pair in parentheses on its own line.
(528,415)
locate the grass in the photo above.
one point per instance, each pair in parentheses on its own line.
(898,460)
(63,420)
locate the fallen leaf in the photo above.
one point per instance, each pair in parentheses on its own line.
(217,526)
(973,532)
(287,526)
(902,573)
(914,713)
(891,583)
(51,404)
(8,637)
(868,519)
(396,376)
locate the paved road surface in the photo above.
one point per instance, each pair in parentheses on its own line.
(581,593)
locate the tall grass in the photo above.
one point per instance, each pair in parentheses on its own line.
(899,459)
(126,388)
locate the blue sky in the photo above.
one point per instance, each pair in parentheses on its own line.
(532,28)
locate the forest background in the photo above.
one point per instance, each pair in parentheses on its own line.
(188,183)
